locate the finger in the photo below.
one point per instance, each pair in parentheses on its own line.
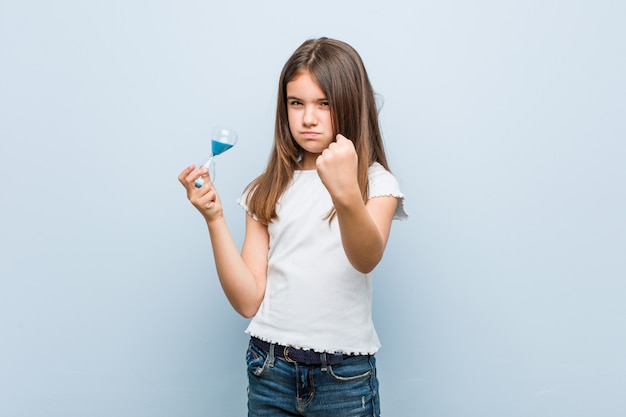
(209,200)
(202,197)
(320,160)
(183,175)
(193,177)
(204,179)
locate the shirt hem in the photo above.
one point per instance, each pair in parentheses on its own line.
(327,349)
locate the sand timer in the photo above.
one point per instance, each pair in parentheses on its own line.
(222,139)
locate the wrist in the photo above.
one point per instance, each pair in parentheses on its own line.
(347,198)
(213,221)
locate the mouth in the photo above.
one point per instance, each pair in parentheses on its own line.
(309,134)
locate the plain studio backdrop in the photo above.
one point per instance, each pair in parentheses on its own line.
(504,294)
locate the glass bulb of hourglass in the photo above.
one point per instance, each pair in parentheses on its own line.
(222,139)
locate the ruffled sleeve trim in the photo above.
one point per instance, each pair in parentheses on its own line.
(382,183)
(242,201)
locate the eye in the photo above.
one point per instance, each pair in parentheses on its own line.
(324,104)
(295,103)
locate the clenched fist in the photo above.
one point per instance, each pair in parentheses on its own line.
(337,167)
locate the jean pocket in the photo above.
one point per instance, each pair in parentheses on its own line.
(352,369)
(256,360)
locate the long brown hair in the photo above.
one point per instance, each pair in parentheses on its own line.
(341,75)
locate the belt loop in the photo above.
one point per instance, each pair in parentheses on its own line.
(270,356)
(323,358)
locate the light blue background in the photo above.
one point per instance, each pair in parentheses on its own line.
(503,295)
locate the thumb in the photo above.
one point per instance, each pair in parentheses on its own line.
(340,138)
(344,142)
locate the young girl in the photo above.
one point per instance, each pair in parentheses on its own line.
(317,223)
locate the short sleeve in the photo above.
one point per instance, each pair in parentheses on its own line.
(243,202)
(382,183)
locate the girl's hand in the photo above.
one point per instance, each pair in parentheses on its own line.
(337,168)
(205,198)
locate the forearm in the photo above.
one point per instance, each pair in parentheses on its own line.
(360,236)
(238,282)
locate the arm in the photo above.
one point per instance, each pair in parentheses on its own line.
(242,276)
(365,229)
(364,226)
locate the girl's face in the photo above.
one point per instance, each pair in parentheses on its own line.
(309,116)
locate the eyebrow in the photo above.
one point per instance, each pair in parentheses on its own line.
(297,98)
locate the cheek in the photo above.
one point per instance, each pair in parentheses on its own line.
(291,119)
(329,122)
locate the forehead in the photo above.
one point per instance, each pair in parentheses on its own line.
(304,83)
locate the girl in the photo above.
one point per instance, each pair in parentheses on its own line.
(317,223)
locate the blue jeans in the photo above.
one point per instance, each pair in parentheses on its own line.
(279,388)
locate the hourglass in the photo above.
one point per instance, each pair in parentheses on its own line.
(222,139)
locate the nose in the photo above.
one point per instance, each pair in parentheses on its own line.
(309,118)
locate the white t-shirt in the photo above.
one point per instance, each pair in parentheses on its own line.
(314,298)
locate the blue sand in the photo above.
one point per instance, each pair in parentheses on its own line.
(219,147)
